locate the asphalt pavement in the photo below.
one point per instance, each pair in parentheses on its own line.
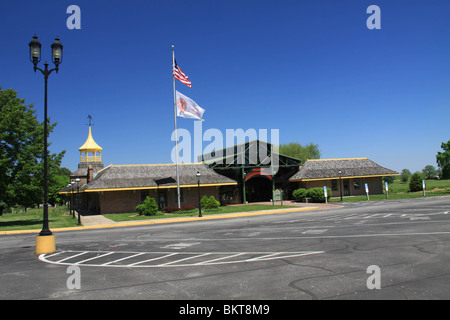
(396,249)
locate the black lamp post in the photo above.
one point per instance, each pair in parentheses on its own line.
(78,200)
(340,183)
(199,201)
(69,186)
(35,57)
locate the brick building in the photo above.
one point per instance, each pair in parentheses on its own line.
(342,176)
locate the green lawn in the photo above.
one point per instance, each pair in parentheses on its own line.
(32,219)
(118,217)
(400,190)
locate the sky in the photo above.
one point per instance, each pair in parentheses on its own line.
(311,69)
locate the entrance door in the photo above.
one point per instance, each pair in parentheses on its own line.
(162,199)
(258,189)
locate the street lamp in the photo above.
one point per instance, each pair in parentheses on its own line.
(35,58)
(340,183)
(70,200)
(72,184)
(78,200)
(199,202)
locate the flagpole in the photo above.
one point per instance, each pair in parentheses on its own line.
(176,133)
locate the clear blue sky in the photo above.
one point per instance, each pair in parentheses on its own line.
(311,69)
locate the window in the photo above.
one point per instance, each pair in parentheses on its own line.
(356,184)
(144,194)
(334,185)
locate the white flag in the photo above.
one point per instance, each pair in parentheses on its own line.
(188,108)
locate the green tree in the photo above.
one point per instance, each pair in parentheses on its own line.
(443,160)
(21,152)
(415,184)
(296,150)
(389,179)
(429,172)
(404,176)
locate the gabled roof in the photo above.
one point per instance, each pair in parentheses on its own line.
(250,154)
(153,176)
(329,169)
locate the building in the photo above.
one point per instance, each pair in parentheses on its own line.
(342,176)
(120,188)
(247,172)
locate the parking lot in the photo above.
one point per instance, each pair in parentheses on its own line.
(308,255)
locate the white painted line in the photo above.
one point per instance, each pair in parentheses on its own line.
(74,256)
(96,257)
(262,257)
(184,259)
(157,258)
(218,259)
(121,259)
(373,215)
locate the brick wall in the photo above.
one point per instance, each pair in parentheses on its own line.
(126,201)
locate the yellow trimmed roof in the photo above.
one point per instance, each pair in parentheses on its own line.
(90,144)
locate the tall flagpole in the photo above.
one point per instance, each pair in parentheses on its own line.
(176,133)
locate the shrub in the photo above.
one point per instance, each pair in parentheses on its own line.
(299,194)
(209,203)
(415,184)
(316,194)
(148,207)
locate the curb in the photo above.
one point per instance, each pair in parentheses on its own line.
(168,220)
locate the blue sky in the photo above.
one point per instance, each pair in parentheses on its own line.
(311,69)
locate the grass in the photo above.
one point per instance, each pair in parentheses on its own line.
(400,190)
(32,219)
(118,217)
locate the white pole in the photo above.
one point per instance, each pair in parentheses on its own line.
(176,134)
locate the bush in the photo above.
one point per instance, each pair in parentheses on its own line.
(209,203)
(316,194)
(147,208)
(299,194)
(415,184)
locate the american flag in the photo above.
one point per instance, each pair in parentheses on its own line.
(179,74)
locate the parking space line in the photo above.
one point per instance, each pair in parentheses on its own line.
(218,259)
(96,257)
(74,256)
(184,259)
(154,259)
(121,259)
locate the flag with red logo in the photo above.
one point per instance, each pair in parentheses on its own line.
(188,108)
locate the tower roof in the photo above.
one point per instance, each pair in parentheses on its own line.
(90,145)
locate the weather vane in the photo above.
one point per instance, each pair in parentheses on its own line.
(90,119)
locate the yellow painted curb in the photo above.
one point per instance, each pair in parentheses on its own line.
(45,244)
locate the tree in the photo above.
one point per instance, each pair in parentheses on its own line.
(296,150)
(429,172)
(21,152)
(443,160)
(415,184)
(389,179)
(404,176)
